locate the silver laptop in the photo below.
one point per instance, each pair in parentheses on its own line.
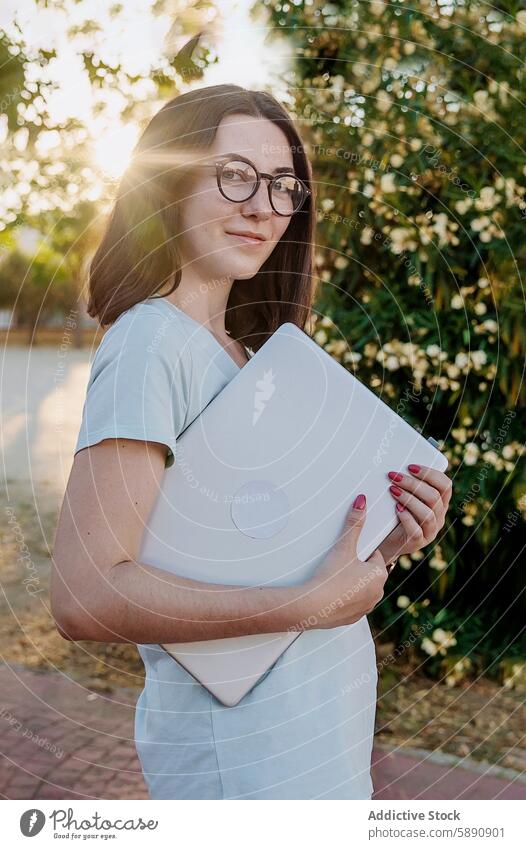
(262,481)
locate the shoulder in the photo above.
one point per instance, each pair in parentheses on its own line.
(147,331)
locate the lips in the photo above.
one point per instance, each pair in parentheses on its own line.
(247,236)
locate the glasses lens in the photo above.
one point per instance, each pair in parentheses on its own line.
(287,194)
(238,180)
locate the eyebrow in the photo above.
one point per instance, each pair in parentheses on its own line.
(282,169)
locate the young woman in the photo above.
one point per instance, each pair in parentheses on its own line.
(207,251)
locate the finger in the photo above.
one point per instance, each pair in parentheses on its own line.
(379,562)
(426,493)
(437,479)
(423,514)
(414,537)
(354,521)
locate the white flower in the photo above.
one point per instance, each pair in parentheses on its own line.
(445,639)
(457,302)
(327,204)
(341,262)
(432,350)
(459,433)
(438,563)
(481,98)
(337,346)
(387,183)
(383,101)
(481,308)
(478,358)
(320,337)
(482,282)
(402,239)
(352,357)
(462,206)
(326,321)
(461,359)
(480,223)
(396,160)
(429,646)
(440,223)
(488,198)
(367,235)
(471,453)
(403,601)
(491,457)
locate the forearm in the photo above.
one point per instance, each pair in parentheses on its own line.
(140,603)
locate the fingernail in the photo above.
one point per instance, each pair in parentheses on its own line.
(413,468)
(395,490)
(399,507)
(359,502)
(395,476)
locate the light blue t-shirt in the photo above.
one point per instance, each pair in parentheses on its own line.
(305,731)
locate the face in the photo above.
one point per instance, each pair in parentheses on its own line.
(210,224)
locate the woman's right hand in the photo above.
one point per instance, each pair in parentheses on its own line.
(343,587)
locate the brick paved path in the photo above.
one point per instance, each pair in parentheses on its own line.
(59,740)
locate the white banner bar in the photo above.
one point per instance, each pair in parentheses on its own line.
(264,825)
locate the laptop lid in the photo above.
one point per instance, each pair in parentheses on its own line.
(261,485)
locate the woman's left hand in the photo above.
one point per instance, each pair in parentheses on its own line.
(424,497)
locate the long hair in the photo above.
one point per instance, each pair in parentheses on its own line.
(138,253)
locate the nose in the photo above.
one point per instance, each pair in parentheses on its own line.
(259,203)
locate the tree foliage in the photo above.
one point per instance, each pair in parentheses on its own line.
(416,123)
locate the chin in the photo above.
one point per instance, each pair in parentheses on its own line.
(246,274)
(240,271)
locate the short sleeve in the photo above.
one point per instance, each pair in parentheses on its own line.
(139,381)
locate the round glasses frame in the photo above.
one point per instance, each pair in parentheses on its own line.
(221,164)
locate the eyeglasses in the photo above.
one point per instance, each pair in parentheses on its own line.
(238,180)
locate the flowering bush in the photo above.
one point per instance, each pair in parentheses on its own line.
(416,128)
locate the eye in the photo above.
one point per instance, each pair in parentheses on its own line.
(287,184)
(239,175)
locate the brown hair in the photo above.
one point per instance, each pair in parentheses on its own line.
(138,252)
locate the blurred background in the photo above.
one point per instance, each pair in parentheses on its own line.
(414,118)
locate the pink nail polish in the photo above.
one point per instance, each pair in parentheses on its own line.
(413,468)
(396,490)
(359,502)
(399,507)
(395,476)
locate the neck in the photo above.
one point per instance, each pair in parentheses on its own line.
(204,301)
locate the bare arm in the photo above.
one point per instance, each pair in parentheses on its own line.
(99,591)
